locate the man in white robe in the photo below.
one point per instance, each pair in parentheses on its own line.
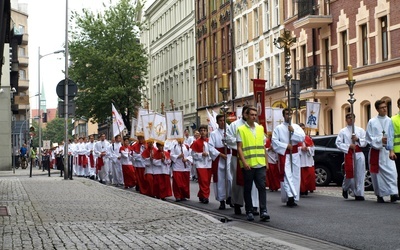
(115,162)
(91,156)
(222,178)
(382,168)
(354,167)
(289,157)
(100,150)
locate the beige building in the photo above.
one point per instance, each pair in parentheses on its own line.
(332,35)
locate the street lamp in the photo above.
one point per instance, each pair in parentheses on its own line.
(39,100)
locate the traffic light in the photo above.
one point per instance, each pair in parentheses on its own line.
(44,117)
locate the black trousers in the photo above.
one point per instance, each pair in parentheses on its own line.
(256,175)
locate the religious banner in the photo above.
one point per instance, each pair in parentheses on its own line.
(269,119)
(239,113)
(277,117)
(159,128)
(46,144)
(174,121)
(259,100)
(147,125)
(133,128)
(139,127)
(118,123)
(212,122)
(312,114)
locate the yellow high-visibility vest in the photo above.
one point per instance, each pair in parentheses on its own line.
(253,145)
(396,126)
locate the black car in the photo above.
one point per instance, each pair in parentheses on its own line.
(329,162)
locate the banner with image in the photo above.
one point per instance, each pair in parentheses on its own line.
(312,114)
(174,120)
(259,100)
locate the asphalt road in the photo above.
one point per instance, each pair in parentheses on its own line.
(325,215)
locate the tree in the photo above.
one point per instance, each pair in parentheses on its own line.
(108,62)
(55,130)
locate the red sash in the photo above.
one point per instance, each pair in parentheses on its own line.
(374,161)
(348,162)
(239,173)
(91,159)
(215,162)
(100,163)
(282,161)
(82,160)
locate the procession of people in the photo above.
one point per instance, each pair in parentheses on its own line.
(239,159)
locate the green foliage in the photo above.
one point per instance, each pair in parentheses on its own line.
(109,64)
(55,130)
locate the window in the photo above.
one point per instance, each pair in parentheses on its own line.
(21,52)
(238,32)
(229,41)
(266,18)
(199,9)
(277,22)
(245,31)
(205,49)
(256,25)
(384,38)
(22,74)
(294,64)
(223,41)
(304,56)
(345,61)
(215,47)
(277,73)
(364,40)
(267,69)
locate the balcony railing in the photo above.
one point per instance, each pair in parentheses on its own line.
(316,77)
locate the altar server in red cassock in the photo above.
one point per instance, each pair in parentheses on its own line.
(273,181)
(307,181)
(128,171)
(181,158)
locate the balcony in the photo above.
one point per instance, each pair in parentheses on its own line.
(312,14)
(316,81)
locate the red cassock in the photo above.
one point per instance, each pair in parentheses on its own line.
(162,182)
(272,180)
(128,171)
(307,182)
(140,173)
(203,174)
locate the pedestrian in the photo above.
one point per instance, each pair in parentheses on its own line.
(60,158)
(350,143)
(91,158)
(193,170)
(307,169)
(237,176)
(138,163)
(394,138)
(181,158)
(100,150)
(128,172)
(253,157)
(83,161)
(32,155)
(115,161)
(382,168)
(285,140)
(222,178)
(202,160)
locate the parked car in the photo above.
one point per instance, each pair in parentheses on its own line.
(329,162)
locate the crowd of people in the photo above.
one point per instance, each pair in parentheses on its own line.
(240,160)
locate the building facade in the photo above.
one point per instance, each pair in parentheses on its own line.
(334,34)
(215,54)
(170,43)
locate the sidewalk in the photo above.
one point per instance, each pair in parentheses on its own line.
(53,213)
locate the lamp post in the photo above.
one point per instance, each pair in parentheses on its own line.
(350,83)
(39,100)
(224,89)
(284,42)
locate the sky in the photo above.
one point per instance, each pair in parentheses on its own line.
(46,29)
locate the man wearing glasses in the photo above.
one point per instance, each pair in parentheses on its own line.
(382,168)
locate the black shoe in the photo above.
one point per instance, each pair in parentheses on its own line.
(249,216)
(345,194)
(177,200)
(205,201)
(222,205)
(238,210)
(137,188)
(264,216)
(394,198)
(201,200)
(290,202)
(92,177)
(360,198)
(380,199)
(255,212)
(229,201)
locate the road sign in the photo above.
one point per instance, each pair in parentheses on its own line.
(72,89)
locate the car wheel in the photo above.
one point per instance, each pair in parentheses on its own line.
(368,182)
(322,176)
